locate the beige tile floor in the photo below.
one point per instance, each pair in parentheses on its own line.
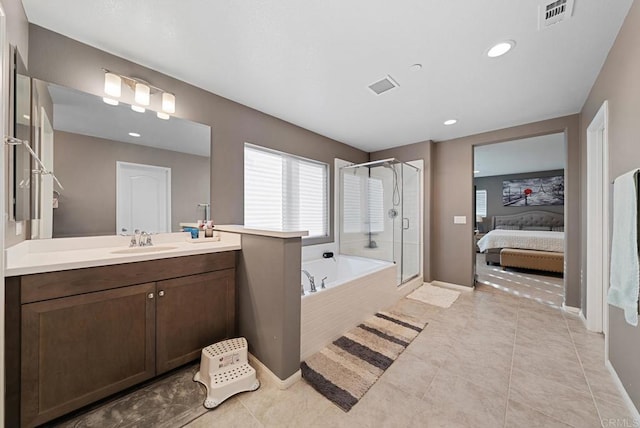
(541,287)
(490,360)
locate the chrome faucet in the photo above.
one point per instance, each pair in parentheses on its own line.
(140,239)
(322,284)
(312,281)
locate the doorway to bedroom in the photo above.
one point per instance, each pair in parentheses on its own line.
(519,222)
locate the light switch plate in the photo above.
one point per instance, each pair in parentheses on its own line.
(18,228)
(459,219)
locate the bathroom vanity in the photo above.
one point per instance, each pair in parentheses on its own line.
(83,327)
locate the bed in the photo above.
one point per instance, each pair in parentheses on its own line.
(530,240)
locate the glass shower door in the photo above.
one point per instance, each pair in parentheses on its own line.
(410,223)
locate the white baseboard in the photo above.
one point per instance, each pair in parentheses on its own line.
(263,370)
(582,317)
(571,309)
(625,396)
(452,286)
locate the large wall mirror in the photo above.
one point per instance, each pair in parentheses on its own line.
(121,170)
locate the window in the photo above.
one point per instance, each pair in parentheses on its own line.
(285,192)
(362,215)
(481,203)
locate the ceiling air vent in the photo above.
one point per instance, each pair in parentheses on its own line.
(554,12)
(383,85)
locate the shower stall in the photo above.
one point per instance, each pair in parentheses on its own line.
(380,214)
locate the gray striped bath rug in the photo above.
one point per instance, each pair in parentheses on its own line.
(345,370)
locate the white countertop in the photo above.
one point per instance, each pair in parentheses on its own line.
(51,255)
(238,228)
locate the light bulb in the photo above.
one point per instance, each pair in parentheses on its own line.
(163,116)
(110,101)
(137,108)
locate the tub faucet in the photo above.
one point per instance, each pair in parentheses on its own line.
(312,281)
(322,283)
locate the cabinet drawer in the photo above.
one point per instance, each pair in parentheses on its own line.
(52,285)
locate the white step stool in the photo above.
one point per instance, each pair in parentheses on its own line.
(225,371)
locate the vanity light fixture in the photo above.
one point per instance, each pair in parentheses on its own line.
(110,101)
(500,49)
(162,115)
(142,92)
(450,122)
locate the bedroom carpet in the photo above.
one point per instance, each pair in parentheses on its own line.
(345,370)
(545,289)
(436,296)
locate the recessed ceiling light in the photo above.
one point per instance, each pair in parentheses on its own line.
(476,172)
(110,101)
(450,122)
(500,49)
(162,115)
(415,67)
(138,109)
(134,134)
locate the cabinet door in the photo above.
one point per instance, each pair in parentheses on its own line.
(76,350)
(193,312)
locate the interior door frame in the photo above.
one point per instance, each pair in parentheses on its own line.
(597,316)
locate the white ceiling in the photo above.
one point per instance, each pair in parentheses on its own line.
(310,63)
(85,114)
(543,153)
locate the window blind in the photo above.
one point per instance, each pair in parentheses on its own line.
(285,192)
(481,203)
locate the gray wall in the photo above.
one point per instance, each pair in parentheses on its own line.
(619,83)
(61,60)
(409,153)
(493,186)
(453,195)
(86,166)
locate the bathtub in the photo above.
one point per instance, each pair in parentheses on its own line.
(356,288)
(339,271)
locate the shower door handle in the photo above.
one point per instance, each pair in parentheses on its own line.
(405,227)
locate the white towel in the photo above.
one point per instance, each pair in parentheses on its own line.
(625,269)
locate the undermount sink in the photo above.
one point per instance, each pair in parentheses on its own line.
(137,250)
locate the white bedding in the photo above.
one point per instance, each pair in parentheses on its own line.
(523,239)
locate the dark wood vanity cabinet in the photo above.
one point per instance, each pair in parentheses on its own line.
(192,312)
(97,331)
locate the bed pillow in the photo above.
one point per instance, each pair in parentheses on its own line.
(545,228)
(507,227)
(558,228)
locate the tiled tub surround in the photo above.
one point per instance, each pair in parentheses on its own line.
(357,288)
(50,255)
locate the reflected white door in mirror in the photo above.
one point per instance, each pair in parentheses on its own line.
(143,199)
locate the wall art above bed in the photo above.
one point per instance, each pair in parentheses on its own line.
(533,191)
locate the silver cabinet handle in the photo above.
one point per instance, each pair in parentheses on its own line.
(161,293)
(150,295)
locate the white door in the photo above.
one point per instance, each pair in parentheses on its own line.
(597,221)
(143,198)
